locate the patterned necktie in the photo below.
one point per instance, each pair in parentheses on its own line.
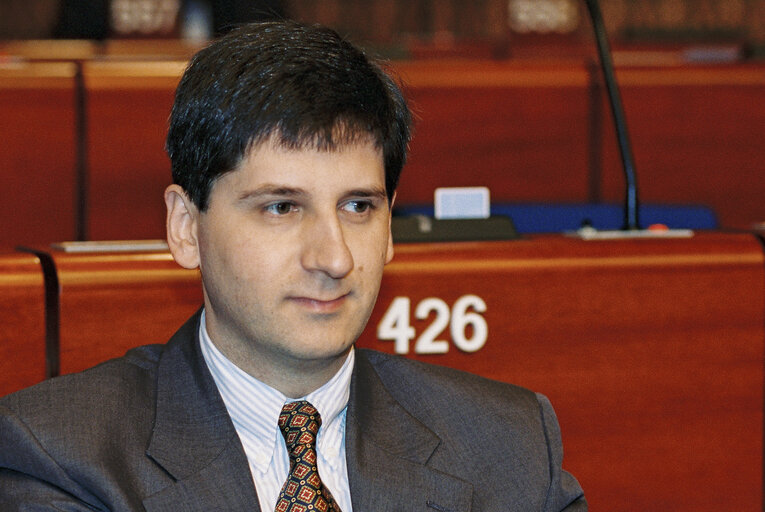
(303,491)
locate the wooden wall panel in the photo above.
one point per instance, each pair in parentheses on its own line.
(523,128)
(22,317)
(111,302)
(38,156)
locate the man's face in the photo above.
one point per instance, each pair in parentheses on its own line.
(292,249)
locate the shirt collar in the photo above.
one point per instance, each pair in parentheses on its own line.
(254,406)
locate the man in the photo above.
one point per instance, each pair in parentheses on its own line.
(286,145)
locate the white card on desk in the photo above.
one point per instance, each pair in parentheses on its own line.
(462,203)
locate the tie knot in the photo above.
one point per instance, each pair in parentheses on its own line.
(299,423)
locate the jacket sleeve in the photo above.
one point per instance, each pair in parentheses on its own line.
(564,493)
(30,479)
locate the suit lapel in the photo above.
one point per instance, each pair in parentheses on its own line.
(194,441)
(193,438)
(387,450)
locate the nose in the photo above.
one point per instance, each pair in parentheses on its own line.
(324,247)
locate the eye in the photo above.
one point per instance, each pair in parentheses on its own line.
(280,208)
(357,206)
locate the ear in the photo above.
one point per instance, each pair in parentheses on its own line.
(182,222)
(389,250)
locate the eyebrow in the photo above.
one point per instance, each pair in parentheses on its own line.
(284,191)
(272,190)
(374,192)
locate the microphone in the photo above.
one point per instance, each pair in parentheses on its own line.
(631,206)
(631,227)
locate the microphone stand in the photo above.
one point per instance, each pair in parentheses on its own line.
(631,208)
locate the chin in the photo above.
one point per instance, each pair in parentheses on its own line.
(321,351)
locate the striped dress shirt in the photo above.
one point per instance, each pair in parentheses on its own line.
(254,408)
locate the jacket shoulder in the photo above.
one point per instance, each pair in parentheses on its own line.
(418,378)
(457,403)
(97,408)
(56,433)
(502,438)
(113,380)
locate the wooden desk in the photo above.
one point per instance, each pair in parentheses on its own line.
(650,350)
(68,50)
(22,317)
(38,159)
(111,302)
(49,50)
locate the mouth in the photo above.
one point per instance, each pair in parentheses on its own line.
(321,306)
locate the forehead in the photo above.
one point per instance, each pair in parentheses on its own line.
(352,165)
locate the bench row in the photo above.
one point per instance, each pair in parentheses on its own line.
(83,142)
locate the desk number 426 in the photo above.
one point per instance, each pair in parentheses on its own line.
(467,327)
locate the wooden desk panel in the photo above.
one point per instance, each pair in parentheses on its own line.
(113,302)
(522,130)
(651,352)
(38,159)
(128,107)
(63,50)
(696,135)
(22,317)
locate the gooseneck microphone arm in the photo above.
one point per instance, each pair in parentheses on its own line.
(631,208)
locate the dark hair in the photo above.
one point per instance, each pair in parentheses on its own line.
(302,85)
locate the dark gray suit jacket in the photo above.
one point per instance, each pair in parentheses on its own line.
(149,431)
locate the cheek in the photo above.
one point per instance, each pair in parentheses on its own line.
(227,259)
(370,262)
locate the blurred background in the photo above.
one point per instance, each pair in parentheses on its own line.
(508,94)
(400,25)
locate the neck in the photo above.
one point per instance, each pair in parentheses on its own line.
(293,377)
(298,379)
(294,370)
